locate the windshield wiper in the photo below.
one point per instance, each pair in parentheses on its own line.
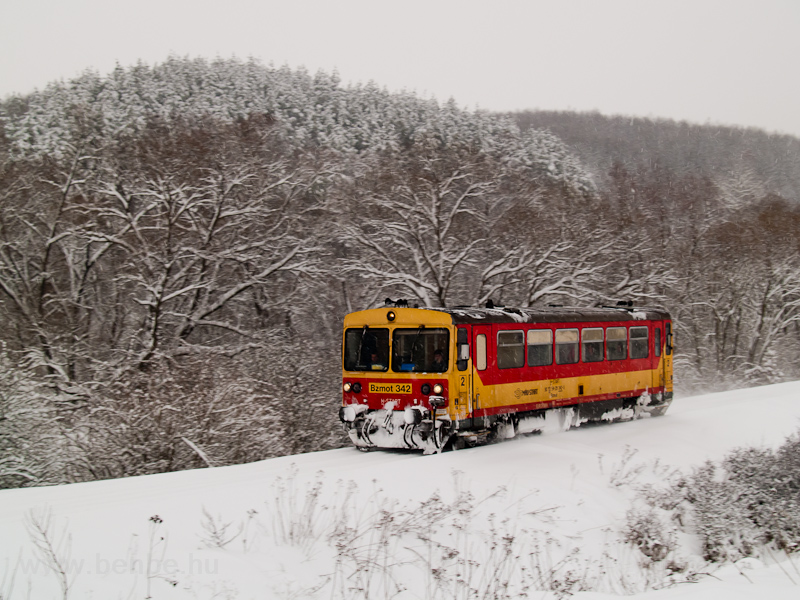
(360,345)
(416,341)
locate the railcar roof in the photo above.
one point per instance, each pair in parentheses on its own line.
(476,316)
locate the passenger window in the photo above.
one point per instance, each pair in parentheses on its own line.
(540,347)
(592,342)
(657,341)
(639,342)
(566,346)
(616,343)
(480,352)
(510,349)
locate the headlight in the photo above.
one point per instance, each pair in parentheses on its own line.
(426,389)
(346,387)
(437,389)
(357,387)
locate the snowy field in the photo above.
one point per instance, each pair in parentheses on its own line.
(544,511)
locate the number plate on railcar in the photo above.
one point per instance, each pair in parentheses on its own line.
(389,388)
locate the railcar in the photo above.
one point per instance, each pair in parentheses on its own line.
(427,378)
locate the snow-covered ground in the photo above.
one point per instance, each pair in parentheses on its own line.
(545,509)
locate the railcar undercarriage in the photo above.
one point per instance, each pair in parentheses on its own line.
(417,429)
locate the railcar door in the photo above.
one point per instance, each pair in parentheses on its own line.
(463,373)
(667,362)
(658,351)
(482,338)
(662,346)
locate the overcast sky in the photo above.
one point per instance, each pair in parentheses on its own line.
(720,61)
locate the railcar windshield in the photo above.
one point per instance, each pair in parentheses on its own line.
(366,349)
(420,350)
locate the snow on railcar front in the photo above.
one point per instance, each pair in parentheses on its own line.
(397,371)
(420,378)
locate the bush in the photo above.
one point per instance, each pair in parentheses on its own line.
(768,486)
(720,518)
(751,499)
(645,530)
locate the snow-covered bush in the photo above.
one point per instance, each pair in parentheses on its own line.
(757,492)
(767,485)
(34,420)
(736,507)
(645,529)
(720,519)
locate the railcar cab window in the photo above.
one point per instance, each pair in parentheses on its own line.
(510,349)
(366,349)
(540,347)
(638,342)
(566,346)
(592,342)
(616,343)
(420,350)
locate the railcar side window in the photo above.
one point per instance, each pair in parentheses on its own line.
(510,349)
(657,340)
(566,346)
(480,352)
(540,347)
(639,342)
(366,349)
(420,350)
(592,341)
(616,343)
(462,348)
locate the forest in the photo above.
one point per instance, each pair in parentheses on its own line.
(179,244)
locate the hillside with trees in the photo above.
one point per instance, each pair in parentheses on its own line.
(740,191)
(745,164)
(179,244)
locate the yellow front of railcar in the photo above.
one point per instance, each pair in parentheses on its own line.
(399,386)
